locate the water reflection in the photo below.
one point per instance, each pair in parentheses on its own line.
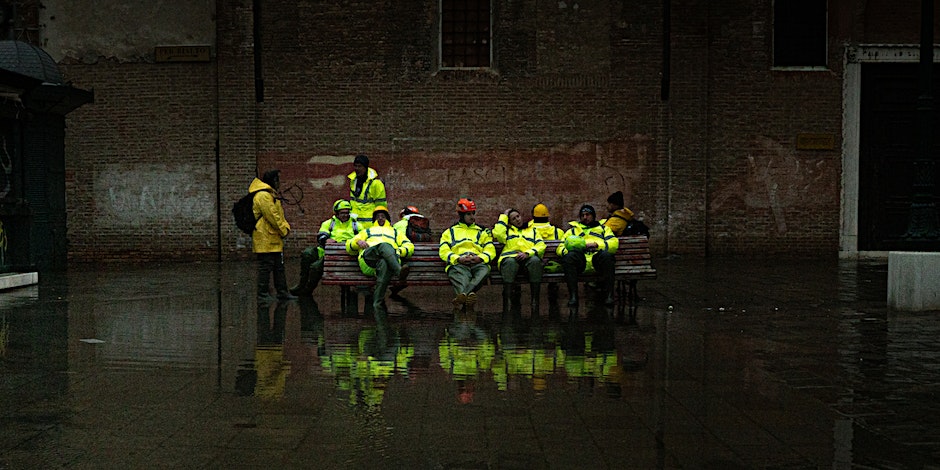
(835,380)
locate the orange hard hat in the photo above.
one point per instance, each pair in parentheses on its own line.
(408,210)
(466,205)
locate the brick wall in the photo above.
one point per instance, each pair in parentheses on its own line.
(572,111)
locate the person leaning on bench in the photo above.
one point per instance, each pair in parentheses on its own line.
(522,247)
(381,249)
(589,246)
(467,249)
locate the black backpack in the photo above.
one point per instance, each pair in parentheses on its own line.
(418,229)
(244,213)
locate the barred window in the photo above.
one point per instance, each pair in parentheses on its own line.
(465,34)
(800,33)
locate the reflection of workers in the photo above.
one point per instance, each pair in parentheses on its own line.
(366,190)
(468,250)
(588,246)
(267,240)
(522,248)
(340,227)
(381,250)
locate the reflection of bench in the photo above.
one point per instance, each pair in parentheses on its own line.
(633,263)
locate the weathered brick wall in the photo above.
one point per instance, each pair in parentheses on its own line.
(140,163)
(764,195)
(571,112)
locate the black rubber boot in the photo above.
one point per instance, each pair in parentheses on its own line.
(507,293)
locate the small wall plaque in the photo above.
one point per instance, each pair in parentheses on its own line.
(181,53)
(807,141)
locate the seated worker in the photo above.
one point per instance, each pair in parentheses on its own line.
(522,246)
(414,225)
(381,250)
(416,228)
(468,250)
(588,246)
(619,216)
(547,231)
(341,227)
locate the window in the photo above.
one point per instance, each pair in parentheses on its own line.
(465,34)
(800,33)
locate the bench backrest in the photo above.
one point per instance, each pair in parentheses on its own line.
(632,261)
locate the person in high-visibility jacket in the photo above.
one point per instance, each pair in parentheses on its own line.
(620,216)
(366,190)
(522,247)
(267,240)
(381,250)
(548,232)
(341,227)
(468,250)
(588,246)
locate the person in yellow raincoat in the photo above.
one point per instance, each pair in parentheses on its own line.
(267,240)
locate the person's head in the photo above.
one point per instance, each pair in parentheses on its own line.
(342,209)
(380,215)
(515,218)
(361,165)
(272,178)
(615,201)
(540,213)
(408,210)
(587,215)
(467,211)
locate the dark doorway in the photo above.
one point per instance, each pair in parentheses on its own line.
(889,146)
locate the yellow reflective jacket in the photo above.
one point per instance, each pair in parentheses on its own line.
(546,230)
(618,220)
(370,196)
(271,227)
(461,239)
(600,234)
(517,240)
(382,234)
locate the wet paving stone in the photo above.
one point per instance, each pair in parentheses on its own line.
(732,364)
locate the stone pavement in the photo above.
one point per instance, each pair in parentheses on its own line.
(737,364)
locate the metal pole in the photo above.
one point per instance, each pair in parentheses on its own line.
(923,225)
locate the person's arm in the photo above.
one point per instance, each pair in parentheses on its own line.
(405,247)
(446,251)
(501,228)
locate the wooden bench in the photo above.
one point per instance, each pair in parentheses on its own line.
(632,264)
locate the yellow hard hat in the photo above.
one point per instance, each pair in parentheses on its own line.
(380,209)
(540,210)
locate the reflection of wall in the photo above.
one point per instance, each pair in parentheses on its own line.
(166,330)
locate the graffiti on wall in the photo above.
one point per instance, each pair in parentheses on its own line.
(778,179)
(563,177)
(139,194)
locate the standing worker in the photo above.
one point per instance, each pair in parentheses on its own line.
(366,190)
(267,240)
(468,250)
